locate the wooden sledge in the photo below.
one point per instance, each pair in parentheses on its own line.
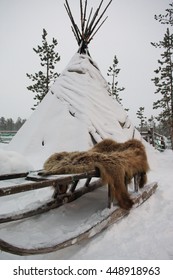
(90,224)
(65,190)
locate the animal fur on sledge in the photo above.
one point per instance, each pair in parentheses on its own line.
(109,146)
(117,163)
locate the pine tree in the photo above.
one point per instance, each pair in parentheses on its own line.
(2,123)
(9,124)
(113,72)
(19,123)
(43,79)
(141,117)
(164,77)
(167,18)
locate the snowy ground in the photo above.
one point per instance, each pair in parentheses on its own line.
(147,233)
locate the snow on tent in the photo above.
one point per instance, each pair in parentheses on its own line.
(78,111)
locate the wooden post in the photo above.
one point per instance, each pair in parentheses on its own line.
(136,182)
(109,197)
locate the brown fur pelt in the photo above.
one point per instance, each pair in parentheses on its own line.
(109,146)
(117,163)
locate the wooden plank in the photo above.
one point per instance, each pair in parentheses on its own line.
(45,183)
(22,215)
(4,177)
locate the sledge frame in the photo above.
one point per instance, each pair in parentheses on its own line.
(60,198)
(65,190)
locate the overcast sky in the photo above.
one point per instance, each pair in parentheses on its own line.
(128,31)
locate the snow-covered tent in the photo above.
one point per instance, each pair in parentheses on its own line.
(78,111)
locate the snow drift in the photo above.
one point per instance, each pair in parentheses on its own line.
(13,162)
